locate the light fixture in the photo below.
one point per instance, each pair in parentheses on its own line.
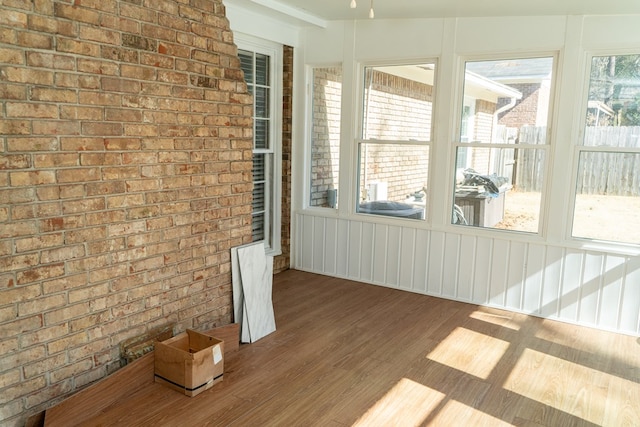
(353,5)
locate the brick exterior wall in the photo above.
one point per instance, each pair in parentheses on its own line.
(527,109)
(283,261)
(125,177)
(325,145)
(481,160)
(400,109)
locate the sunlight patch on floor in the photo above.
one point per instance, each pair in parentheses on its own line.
(469,351)
(408,403)
(569,387)
(505,321)
(455,413)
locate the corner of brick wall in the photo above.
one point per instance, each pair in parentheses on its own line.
(125,178)
(283,261)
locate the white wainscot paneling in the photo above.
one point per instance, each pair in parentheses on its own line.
(585,287)
(466,268)
(407,258)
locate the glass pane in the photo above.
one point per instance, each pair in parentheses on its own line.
(608,197)
(503,98)
(398,102)
(325,136)
(246,63)
(262,69)
(613,109)
(261,137)
(261,100)
(500,188)
(393,180)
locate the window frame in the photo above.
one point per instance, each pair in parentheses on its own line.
(578,148)
(360,141)
(547,148)
(309,122)
(273,215)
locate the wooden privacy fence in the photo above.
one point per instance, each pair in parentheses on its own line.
(598,172)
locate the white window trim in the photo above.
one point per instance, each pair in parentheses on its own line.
(587,243)
(274,51)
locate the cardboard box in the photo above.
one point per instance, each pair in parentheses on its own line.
(191,362)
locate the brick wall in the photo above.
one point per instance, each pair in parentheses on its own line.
(325,145)
(125,177)
(526,110)
(283,261)
(396,109)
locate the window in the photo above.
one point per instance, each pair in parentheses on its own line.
(396,129)
(326,97)
(502,145)
(261,64)
(608,180)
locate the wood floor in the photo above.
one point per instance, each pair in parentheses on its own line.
(349,354)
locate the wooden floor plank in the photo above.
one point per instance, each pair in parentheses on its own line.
(346,354)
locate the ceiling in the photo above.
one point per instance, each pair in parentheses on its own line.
(319,11)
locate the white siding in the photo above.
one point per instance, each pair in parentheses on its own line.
(583,287)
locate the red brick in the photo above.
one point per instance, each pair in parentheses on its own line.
(140,130)
(54,95)
(58,127)
(103,129)
(40,273)
(49,393)
(170,21)
(69,281)
(157,60)
(82,144)
(23,389)
(111,84)
(98,98)
(15,109)
(156,32)
(20,325)
(96,66)
(100,35)
(12,56)
(122,144)
(17,195)
(120,24)
(97,346)
(65,253)
(16,161)
(78,175)
(99,218)
(119,54)
(18,179)
(76,14)
(53,26)
(13,18)
(41,305)
(70,371)
(10,377)
(138,13)
(43,366)
(67,313)
(49,60)
(10,91)
(72,112)
(61,223)
(100,159)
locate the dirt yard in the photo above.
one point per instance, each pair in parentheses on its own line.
(613,218)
